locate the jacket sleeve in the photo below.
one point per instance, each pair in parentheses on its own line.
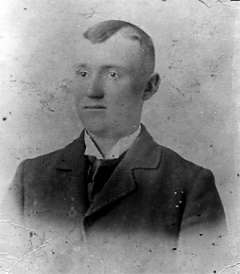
(13,201)
(14,234)
(203,241)
(203,206)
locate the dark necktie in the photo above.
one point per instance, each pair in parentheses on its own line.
(99,172)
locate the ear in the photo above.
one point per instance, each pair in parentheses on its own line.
(151,86)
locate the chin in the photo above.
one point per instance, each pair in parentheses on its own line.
(101,127)
(97,130)
(96,127)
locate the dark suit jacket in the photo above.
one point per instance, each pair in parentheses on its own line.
(153,197)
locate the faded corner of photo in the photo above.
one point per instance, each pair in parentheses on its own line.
(119,137)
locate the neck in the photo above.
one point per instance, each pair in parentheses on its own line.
(106,142)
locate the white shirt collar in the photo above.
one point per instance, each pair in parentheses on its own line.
(120,147)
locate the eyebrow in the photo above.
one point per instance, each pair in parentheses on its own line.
(77,66)
(104,67)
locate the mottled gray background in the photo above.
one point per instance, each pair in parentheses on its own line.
(195,112)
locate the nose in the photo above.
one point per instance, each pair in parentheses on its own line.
(95,89)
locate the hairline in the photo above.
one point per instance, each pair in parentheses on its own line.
(144,40)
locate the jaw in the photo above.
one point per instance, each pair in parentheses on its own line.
(112,123)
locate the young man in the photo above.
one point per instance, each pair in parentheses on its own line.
(114,190)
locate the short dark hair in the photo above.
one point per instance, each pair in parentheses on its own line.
(105,29)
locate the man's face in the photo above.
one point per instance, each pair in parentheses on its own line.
(108,86)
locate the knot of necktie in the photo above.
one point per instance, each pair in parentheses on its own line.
(99,172)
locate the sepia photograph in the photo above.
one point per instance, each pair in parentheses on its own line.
(119,137)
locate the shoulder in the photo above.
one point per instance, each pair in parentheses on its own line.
(168,159)
(172,160)
(42,163)
(45,163)
(181,173)
(169,164)
(43,160)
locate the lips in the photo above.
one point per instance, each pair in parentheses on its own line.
(95,107)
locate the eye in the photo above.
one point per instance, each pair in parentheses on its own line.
(113,75)
(82,73)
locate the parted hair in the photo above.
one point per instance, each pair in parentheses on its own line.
(100,32)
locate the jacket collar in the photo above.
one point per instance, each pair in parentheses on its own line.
(143,154)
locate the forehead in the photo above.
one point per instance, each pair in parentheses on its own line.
(118,50)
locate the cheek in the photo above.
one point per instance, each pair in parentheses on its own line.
(77,90)
(128,95)
(122,91)
(125,104)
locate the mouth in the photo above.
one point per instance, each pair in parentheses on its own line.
(95,107)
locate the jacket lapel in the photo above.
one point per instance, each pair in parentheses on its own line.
(144,154)
(71,167)
(72,157)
